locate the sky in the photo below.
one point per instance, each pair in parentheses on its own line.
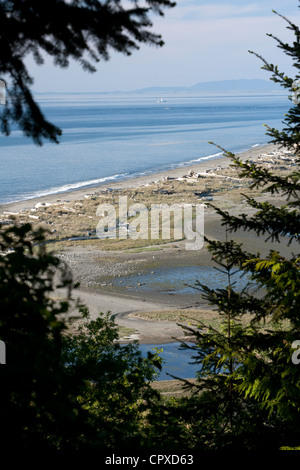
(203,42)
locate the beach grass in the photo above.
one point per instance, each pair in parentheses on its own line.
(143,249)
(172,388)
(191,317)
(70,219)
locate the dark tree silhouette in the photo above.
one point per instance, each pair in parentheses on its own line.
(250,361)
(60,390)
(83,30)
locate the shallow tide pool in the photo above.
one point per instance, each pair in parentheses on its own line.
(179,280)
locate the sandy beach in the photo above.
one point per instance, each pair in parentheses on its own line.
(105,269)
(79,194)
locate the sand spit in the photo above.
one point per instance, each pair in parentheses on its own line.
(268,154)
(70,219)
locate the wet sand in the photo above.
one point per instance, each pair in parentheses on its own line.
(94,267)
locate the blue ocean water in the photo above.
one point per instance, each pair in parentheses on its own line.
(108,137)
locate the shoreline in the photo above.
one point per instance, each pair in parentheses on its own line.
(135,182)
(102,267)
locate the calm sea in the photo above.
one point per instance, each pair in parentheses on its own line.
(109,137)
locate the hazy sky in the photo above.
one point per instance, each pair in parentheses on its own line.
(203,42)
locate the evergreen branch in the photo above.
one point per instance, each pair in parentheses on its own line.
(277,222)
(289,185)
(291,26)
(226,153)
(278,77)
(83,31)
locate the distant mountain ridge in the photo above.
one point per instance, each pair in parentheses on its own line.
(243,84)
(255,84)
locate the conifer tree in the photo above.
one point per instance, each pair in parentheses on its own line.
(254,363)
(62,390)
(85,31)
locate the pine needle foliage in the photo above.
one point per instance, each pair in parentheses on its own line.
(249,365)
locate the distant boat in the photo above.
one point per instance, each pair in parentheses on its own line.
(162,100)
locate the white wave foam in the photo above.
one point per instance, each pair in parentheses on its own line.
(69,187)
(208,157)
(73,186)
